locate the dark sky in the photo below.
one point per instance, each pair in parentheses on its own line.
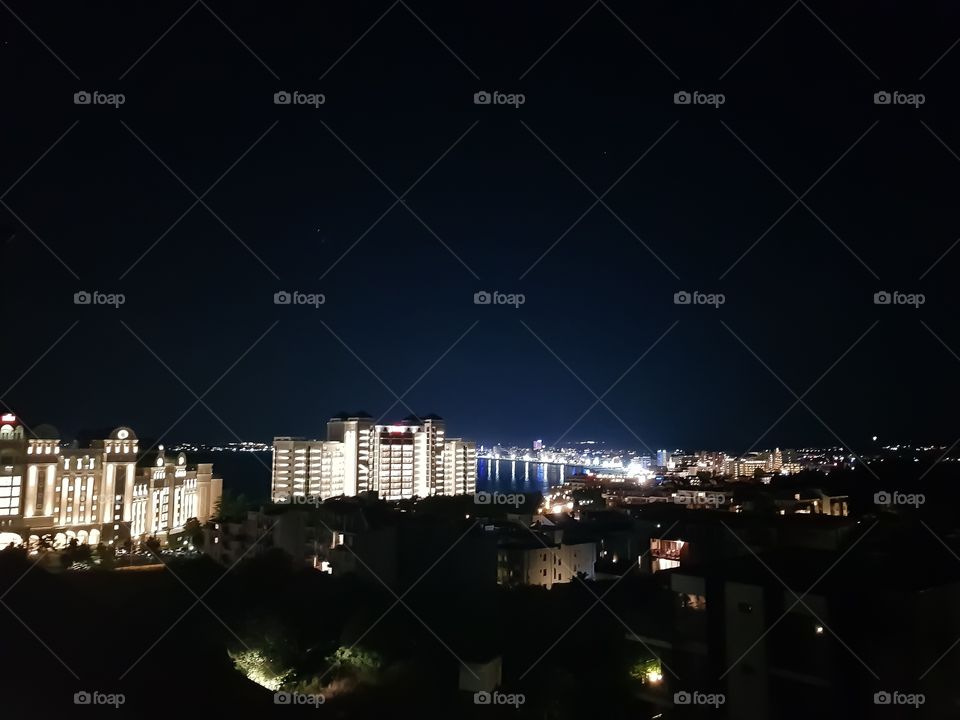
(801,99)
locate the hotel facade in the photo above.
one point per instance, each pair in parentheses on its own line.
(413,458)
(107,492)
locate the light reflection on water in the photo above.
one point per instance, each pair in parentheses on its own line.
(521,476)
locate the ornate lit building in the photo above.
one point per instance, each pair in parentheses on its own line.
(96,494)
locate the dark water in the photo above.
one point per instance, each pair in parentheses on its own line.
(249,474)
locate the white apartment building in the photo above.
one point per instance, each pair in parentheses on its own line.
(408,459)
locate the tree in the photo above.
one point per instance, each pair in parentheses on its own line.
(230,507)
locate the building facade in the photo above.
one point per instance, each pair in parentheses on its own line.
(95,494)
(412,458)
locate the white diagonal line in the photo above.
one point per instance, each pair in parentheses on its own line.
(937,261)
(799,199)
(395,202)
(199,199)
(208,608)
(587,612)
(840,40)
(957,441)
(439,39)
(599,199)
(398,600)
(757,41)
(557,41)
(156,42)
(616,382)
(801,401)
(369,369)
(37,161)
(815,383)
(39,239)
(799,601)
(790,609)
(589,389)
(198,600)
(199,398)
(357,41)
(37,361)
(941,141)
(39,639)
(427,371)
(954,644)
(937,61)
(48,48)
(599,599)
(400,198)
(639,39)
(239,39)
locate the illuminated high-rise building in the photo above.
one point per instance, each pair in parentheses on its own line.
(315,468)
(408,459)
(460,467)
(355,432)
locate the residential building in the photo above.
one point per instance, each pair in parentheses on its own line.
(412,458)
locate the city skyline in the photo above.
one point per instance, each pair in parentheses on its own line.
(421,298)
(542,360)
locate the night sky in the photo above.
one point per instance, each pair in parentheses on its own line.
(504,185)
